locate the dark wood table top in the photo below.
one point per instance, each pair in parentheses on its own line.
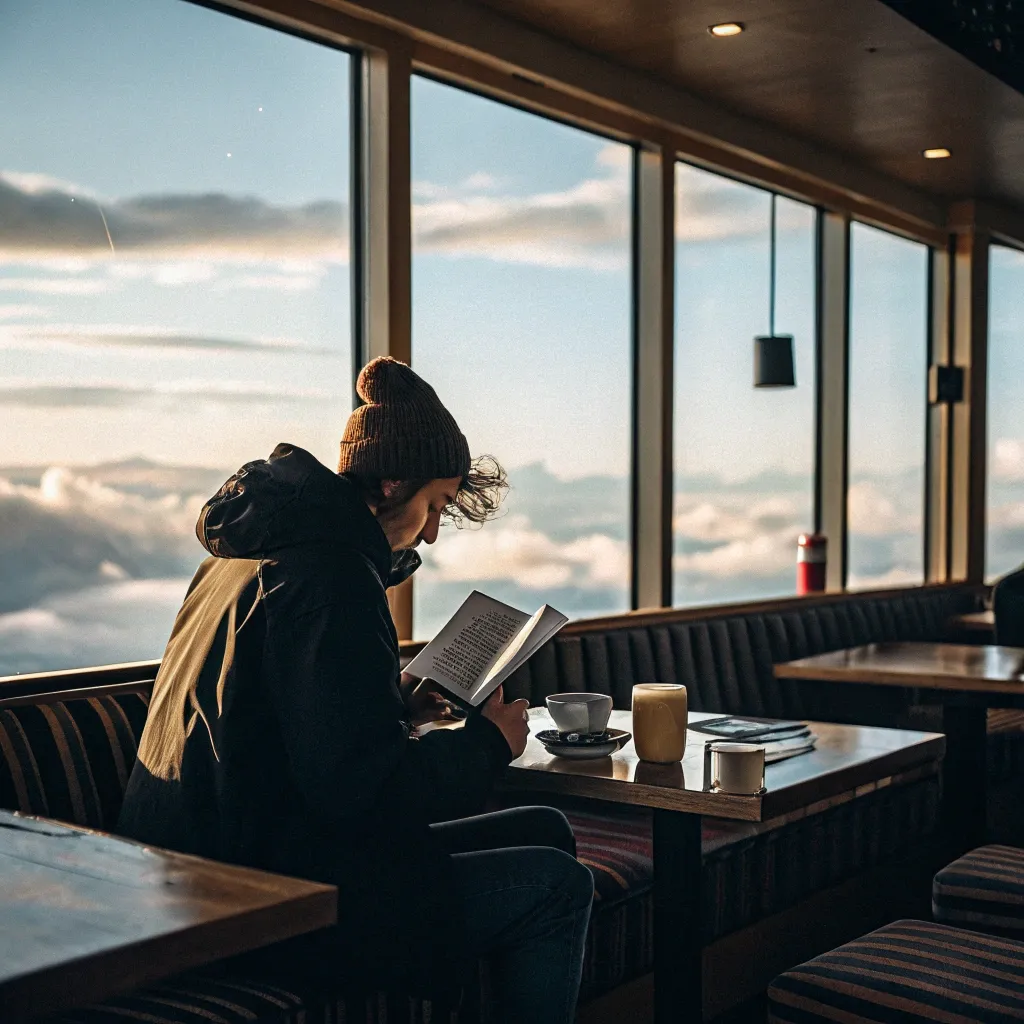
(84,915)
(973,622)
(960,668)
(846,758)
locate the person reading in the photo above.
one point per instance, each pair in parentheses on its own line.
(281,731)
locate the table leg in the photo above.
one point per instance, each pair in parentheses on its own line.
(678,934)
(965,774)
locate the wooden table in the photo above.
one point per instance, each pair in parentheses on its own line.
(972,627)
(847,757)
(966,679)
(84,915)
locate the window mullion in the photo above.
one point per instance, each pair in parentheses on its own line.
(833,330)
(970,341)
(653,297)
(387,231)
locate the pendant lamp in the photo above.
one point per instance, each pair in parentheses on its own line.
(773,353)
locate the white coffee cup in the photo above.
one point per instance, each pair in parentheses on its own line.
(582,713)
(737,768)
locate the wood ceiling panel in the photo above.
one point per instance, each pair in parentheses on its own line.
(848,74)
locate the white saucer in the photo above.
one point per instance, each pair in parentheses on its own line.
(617,738)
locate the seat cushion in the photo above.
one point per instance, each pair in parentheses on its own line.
(1005,744)
(983,889)
(906,971)
(70,760)
(201,999)
(750,870)
(615,843)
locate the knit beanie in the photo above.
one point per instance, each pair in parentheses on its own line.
(403,432)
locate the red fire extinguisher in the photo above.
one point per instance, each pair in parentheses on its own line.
(811,561)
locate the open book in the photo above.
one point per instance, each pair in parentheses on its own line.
(482,644)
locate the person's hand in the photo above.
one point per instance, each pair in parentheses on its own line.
(424,704)
(511,719)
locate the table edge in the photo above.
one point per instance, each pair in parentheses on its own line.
(95,977)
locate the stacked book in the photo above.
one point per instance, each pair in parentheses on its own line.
(779,739)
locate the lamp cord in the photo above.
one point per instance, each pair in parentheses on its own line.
(771,274)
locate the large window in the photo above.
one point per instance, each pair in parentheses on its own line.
(744,457)
(1004,549)
(521,318)
(174,300)
(888,393)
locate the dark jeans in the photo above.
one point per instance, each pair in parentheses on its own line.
(527,905)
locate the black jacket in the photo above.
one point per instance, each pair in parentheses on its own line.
(277,737)
(1008,608)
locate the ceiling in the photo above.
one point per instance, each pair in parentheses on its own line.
(990,33)
(852,75)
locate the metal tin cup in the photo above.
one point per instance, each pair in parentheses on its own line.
(737,768)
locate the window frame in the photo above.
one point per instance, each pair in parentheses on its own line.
(384,57)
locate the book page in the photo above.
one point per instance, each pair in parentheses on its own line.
(469,644)
(780,750)
(538,630)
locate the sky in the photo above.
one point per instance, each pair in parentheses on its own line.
(175,300)
(1005,498)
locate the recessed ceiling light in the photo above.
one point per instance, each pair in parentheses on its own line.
(939,153)
(727,28)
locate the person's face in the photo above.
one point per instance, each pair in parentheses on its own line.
(419,518)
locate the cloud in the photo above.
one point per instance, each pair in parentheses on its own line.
(512,549)
(1007,515)
(105,624)
(128,336)
(712,208)
(22,312)
(271,282)
(68,530)
(54,285)
(110,396)
(63,397)
(41,217)
(586,225)
(481,181)
(1008,459)
(738,516)
(895,577)
(882,509)
(764,554)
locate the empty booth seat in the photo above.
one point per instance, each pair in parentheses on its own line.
(70,760)
(984,889)
(907,971)
(725,657)
(751,871)
(204,999)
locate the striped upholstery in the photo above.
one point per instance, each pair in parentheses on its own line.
(725,658)
(750,871)
(70,760)
(193,999)
(200,999)
(1005,744)
(983,889)
(907,971)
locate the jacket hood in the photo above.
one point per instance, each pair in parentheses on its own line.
(291,499)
